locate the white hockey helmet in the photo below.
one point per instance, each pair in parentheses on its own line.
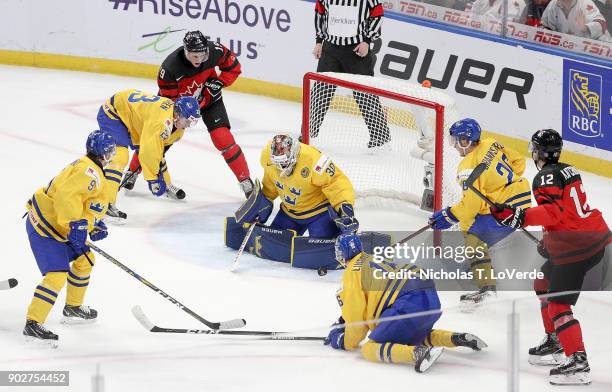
(284,152)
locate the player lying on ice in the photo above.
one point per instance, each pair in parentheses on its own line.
(363,296)
(502,182)
(60,216)
(315,196)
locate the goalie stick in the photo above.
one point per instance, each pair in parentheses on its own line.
(8,284)
(242,246)
(478,170)
(235,323)
(264,335)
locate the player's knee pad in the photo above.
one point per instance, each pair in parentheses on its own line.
(387,352)
(264,242)
(55,280)
(561,315)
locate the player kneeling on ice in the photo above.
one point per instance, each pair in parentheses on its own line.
(367,294)
(149,124)
(315,197)
(575,240)
(502,182)
(60,216)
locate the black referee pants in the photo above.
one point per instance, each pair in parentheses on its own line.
(341,58)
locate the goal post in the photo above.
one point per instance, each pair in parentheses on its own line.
(405,157)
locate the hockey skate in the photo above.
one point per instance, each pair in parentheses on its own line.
(114,215)
(470,301)
(247,187)
(79,315)
(468,340)
(574,371)
(129,181)
(174,192)
(35,332)
(548,353)
(424,357)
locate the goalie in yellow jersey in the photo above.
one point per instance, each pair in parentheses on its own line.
(149,124)
(367,294)
(315,194)
(501,182)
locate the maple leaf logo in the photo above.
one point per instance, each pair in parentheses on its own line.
(194,90)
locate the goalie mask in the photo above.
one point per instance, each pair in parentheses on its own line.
(284,153)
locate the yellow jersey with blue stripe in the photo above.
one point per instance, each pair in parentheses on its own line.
(315,184)
(150,122)
(78,192)
(369,288)
(502,181)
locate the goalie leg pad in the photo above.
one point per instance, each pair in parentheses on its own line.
(224,141)
(265,242)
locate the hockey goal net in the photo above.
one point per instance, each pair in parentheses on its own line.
(390,137)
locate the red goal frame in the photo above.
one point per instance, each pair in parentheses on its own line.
(439,109)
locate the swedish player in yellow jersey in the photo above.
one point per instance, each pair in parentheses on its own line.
(60,216)
(315,194)
(149,124)
(367,295)
(502,182)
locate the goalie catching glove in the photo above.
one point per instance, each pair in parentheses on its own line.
(344,218)
(256,208)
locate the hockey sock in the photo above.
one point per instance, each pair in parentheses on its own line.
(45,295)
(135,163)
(439,338)
(481,266)
(224,142)
(387,352)
(78,280)
(114,172)
(567,327)
(546,320)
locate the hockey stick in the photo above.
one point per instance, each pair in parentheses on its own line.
(419,231)
(126,179)
(264,335)
(478,170)
(8,284)
(242,246)
(235,323)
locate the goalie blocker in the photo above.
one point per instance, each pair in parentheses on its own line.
(288,247)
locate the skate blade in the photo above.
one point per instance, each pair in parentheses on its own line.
(480,344)
(572,379)
(76,320)
(115,221)
(426,363)
(546,360)
(43,343)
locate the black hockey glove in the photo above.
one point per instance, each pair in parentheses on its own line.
(509,216)
(214,86)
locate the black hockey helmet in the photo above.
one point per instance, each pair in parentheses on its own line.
(547,144)
(195,41)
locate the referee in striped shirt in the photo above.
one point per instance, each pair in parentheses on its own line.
(344,31)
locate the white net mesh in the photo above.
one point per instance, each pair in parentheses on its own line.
(381,142)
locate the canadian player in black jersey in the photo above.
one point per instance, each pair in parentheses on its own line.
(575,240)
(192,70)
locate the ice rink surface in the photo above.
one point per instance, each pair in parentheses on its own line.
(46,116)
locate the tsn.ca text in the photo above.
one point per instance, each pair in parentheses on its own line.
(413,254)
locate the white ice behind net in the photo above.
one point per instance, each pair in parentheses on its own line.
(384,152)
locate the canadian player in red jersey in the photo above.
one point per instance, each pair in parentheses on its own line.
(575,240)
(191,70)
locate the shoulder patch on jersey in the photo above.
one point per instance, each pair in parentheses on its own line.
(323,161)
(462,176)
(166,132)
(91,172)
(305,172)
